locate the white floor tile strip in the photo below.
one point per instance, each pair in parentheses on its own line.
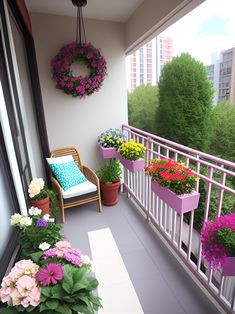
(115,287)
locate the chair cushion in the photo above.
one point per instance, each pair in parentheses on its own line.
(68,174)
(59,160)
(80,189)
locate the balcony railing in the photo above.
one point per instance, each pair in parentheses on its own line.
(170,224)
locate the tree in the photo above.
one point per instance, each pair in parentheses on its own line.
(222,142)
(185,102)
(142,105)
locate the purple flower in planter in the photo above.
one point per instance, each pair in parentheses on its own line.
(42,223)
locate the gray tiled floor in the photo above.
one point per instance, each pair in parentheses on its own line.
(162,285)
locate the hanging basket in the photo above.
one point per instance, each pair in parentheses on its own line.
(229,267)
(181,203)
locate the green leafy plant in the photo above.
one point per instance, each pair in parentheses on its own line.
(110,172)
(35,230)
(72,294)
(131,150)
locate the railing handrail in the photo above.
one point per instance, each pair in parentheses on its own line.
(183,147)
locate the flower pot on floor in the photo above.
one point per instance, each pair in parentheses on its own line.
(181,203)
(109,193)
(43,204)
(132,165)
(109,152)
(229,267)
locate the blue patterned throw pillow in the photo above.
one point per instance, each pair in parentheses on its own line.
(68,174)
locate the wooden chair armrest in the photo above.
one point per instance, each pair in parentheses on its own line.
(91,176)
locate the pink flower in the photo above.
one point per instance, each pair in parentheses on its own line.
(50,274)
(74,257)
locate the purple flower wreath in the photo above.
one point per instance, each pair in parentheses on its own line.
(78,85)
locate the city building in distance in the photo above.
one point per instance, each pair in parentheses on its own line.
(222,74)
(144,65)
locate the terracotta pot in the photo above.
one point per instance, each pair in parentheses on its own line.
(109,193)
(44,205)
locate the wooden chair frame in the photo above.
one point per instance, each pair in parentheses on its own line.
(88,173)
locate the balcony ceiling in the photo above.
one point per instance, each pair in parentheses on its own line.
(110,10)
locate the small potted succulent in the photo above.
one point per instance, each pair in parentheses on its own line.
(109,175)
(174,184)
(109,141)
(218,244)
(131,155)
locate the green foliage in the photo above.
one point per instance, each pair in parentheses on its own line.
(72,294)
(226,237)
(32,236)
(132,150)
(110,172)
(185,102)
(222,142)
(142,105)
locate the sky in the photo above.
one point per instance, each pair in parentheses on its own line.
(208,28)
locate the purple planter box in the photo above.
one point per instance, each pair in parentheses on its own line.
(229,267)
(181,203)
(132,165)
(109,152)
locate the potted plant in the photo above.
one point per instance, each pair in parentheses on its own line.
(35,229)
(109,141)
(54,279)
(218,244)
(174,184)
(109,175)
(42,197)
(57,283)
(131,155)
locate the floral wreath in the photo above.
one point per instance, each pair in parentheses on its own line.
(78,85)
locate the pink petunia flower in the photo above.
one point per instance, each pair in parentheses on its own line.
(50,274)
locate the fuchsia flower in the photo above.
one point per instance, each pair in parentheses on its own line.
(50,274)
(215,253)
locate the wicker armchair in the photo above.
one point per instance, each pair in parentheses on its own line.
(88,173)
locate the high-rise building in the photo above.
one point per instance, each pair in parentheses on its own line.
(144,65)
(227,76)
(164,52)
(222,74)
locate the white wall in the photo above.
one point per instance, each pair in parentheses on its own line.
(74,121)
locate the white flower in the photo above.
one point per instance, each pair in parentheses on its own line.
(25,221)
(15,219)
(86,260)
(46,217)
(44,246)
(36,185)
(51,220)
(34,211)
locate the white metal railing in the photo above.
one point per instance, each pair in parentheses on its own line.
(168,222)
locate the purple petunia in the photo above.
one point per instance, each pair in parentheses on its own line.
(42,223)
